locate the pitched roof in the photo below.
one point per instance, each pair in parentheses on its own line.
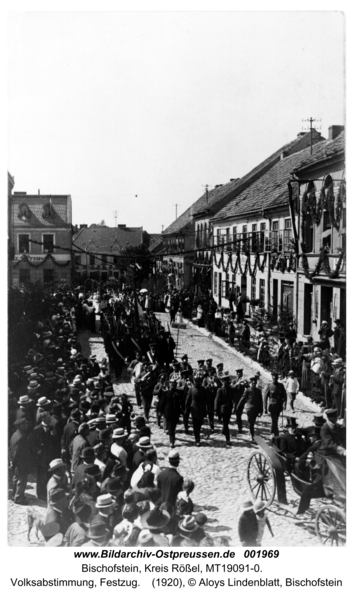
(324,151)
(180,223)
(219,195)
(271,189)
(35,204)
(103,239)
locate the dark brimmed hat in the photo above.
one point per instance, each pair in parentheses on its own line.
(56,496)
(155,519)
(87,452)
(292,422)
(104,435)
(93,470)
(331,412)
(185,357)
(318,420)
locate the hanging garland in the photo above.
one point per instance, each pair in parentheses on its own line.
(237,267)
(39,264)
(322,264)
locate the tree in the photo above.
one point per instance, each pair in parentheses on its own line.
(136,263)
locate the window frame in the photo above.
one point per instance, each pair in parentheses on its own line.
(43,243)
(18,243)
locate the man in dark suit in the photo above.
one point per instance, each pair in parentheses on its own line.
(42,445)
(58,510)
(251,400)
(224,404)
(275,396)
(185,366)
(333,435)
(70,431)
(169,481)
(20,460)
(171,409)
(238,386)
(196,403)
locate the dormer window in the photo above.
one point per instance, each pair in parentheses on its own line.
(23,211)
(48,210)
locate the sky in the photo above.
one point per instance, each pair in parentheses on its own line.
(135,112)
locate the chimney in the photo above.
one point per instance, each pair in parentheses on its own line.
(38,192)
(84,226)
(20,193)
(122,226)
(334,131)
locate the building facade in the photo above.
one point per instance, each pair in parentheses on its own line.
(178,249)
(322,236)
(253,236)
(96,250)
(40,234)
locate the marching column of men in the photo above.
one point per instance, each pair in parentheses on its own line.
(93,458)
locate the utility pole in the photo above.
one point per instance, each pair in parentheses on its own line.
(176,212)
(311,121)
(116,217)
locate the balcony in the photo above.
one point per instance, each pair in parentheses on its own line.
(203,240)
(175,248)
(255,241)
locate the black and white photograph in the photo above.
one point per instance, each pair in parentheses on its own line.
(176,280)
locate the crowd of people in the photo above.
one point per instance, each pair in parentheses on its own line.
(92,452)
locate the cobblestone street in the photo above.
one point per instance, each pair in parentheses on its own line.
(219,472)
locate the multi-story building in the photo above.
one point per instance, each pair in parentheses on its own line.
(253,234)
(322,235)
(97,248)
(10,246)
(178,244)
(40,232)
(196,222)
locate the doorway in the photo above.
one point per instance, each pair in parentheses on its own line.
(326,304)
(308,295)
(275,299)
(243,286)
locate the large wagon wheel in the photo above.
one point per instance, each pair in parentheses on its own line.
(261,478)
(330,526)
